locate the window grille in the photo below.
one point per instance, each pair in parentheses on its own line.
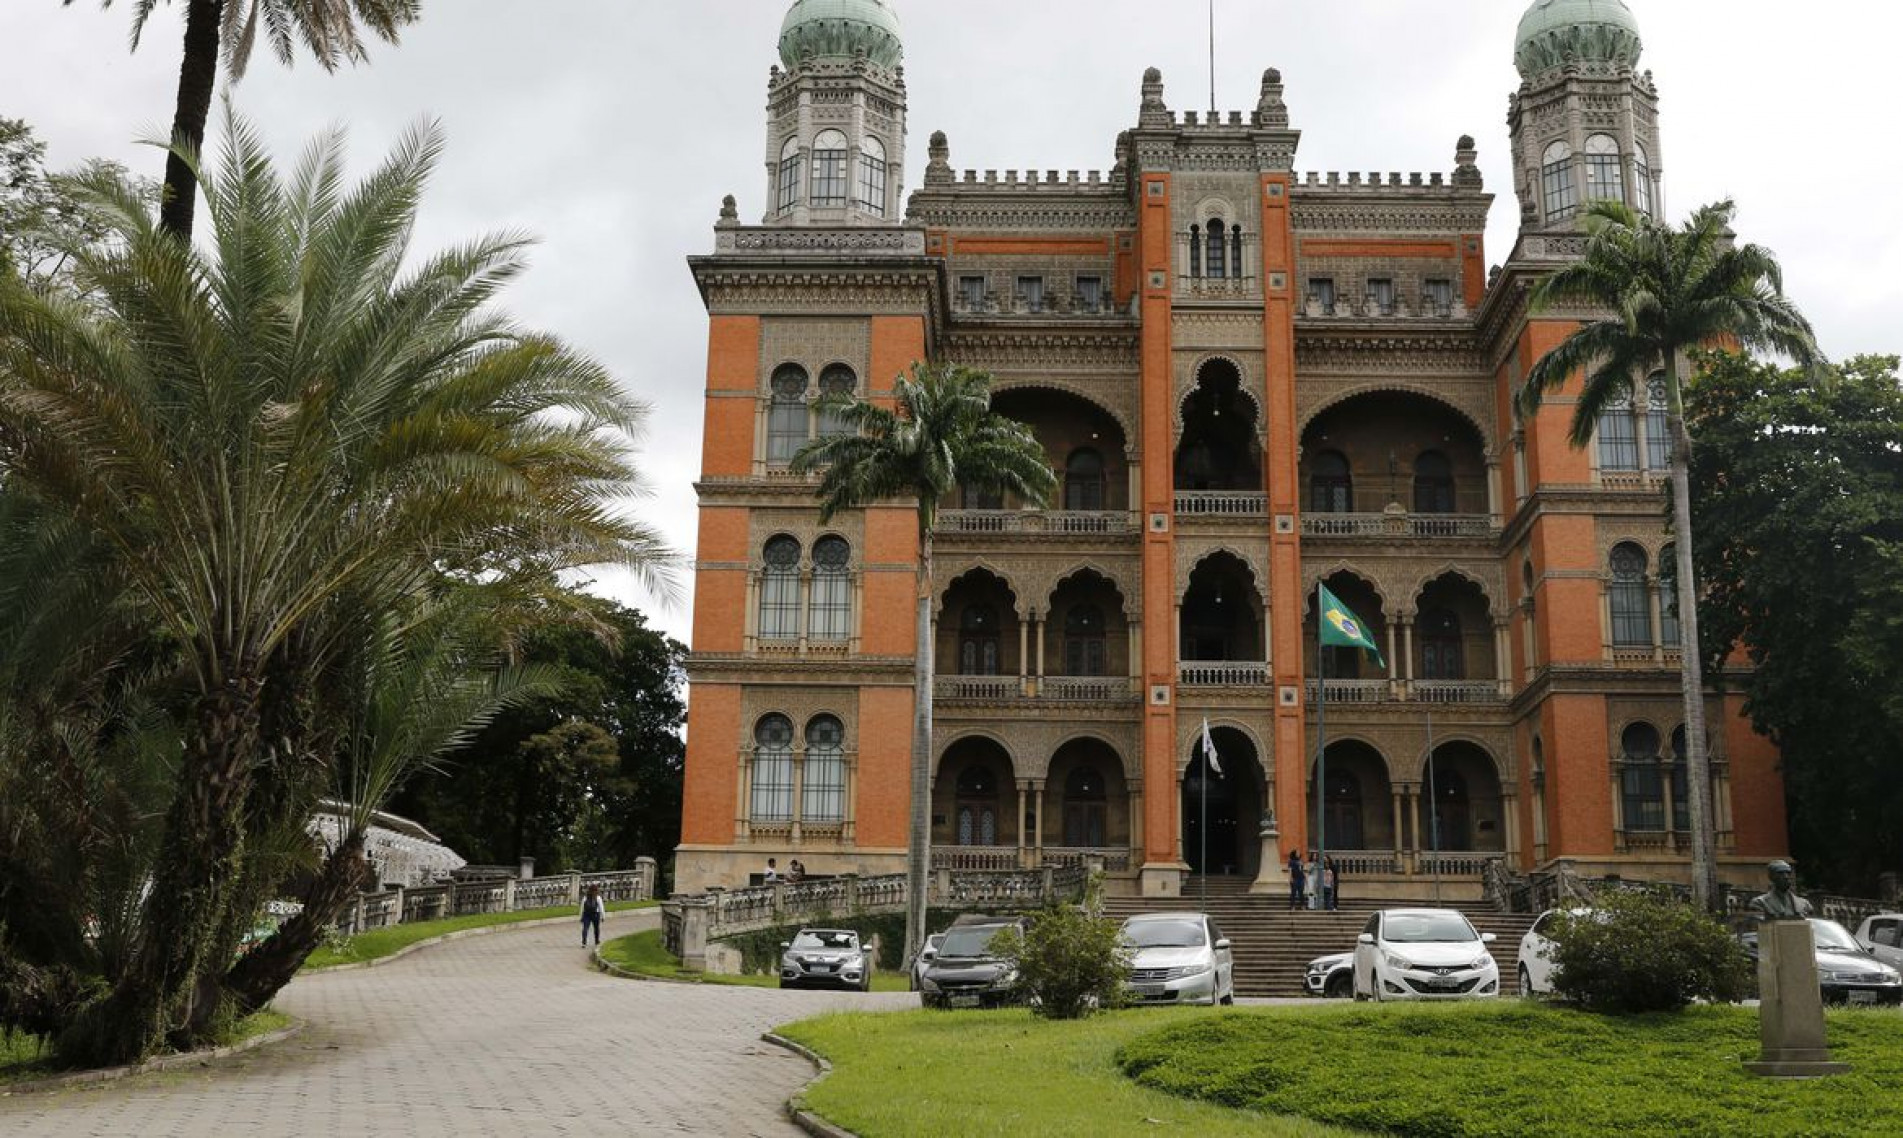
(780,589)
(1603,181)
(829,169)
(1560,194)
(831,606)
(872,177)
(836,382)
(788,194)
(1658,434)
(772,770)
(823,782)
(1631,599)
(786,414)
(1618,438)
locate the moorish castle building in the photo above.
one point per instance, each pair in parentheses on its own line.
(1248,379)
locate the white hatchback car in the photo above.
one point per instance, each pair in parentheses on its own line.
(1536,954)
(1178,958)
(1423,954)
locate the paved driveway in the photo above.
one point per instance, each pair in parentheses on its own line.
(503,1034)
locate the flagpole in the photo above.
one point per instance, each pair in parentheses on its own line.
(1202,829)
(1321,743)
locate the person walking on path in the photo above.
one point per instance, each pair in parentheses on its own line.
(1296,880)
(591,911)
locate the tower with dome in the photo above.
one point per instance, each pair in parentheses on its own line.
(1250,379)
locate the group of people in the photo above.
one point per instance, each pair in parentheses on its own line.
(794,872)
(1314,884)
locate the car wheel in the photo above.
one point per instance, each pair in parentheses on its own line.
(1526,984)
(1339,988)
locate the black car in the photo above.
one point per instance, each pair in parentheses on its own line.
(1846,972)
(966,973)
(824,958)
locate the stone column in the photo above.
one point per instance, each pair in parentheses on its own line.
(1024,787)
(1407,649)
(1414,804)
(1400,793)
(645,870)
(1037,832)
(1024,655)
(1037,633)
(1493,490)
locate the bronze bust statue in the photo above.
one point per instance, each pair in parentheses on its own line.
(1782,903)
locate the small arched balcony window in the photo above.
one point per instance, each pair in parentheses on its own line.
(1681,789)
(823,780)
(1433,483)
(1618,437)
(830,607)
(871,190)
(977,797)
(1195,250)
(836,382)
(978,647)
(1640,781)
(1330,486)
(786,414)
(1216,259)
(1668,600)
(1083,480)
(1085,810)
(1441,656)
(786,192)
(1641,180)
(1084,643)
(1631,599)
(780,589)
(1658,430)
(1557,189)
(772,770)
(1603,180)
(829,169)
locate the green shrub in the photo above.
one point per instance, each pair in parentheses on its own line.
(1068,961)
(1638,951)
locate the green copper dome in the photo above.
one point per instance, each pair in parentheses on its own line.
(1554,33)
(836,29)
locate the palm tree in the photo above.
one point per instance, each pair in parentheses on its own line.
(328,28)
(941,434)
(1668,291)
(292,415)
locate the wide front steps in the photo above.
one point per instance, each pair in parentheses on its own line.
(1272,945)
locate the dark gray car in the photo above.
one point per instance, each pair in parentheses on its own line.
(966,973)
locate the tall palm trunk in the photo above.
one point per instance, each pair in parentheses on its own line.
(197,76)
(1692,666)
(198,859)
(253,981)
(918,853)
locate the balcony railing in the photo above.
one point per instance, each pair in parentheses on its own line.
(1222,673)
(1095,689)
(1059,689)
(1062,522)
(1464,692)
(1398,525)
(1353,691)
(1222,503)
(977,687)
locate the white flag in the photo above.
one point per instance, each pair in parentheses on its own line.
(1209,750)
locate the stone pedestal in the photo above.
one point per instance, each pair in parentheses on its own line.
(1790,1005)
(1272,878)
(1163,879)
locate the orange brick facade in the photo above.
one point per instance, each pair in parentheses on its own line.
(1248,380)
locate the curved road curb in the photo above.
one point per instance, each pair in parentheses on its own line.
(795,1108)
(459,934)
(162,1063)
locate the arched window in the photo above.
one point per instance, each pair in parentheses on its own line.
(823,782)
(1631,600)
(1668,600)
(1218,249)
(787,191)
(830,610)
(1433,483)
(780,589)
(1083,480)
(1618,437)
(977,807)
(1556,182)
(829,169)
(1084,641)
(1681,790)
(786,414)
(1235,251)
(1084,808)
(1195,250)
(1441,657)
(1330,488)
(1603,181)
(1658,431)
(978,641)
(872,176)
(1641,180)
(772,770)
(835,382)
(1640,781)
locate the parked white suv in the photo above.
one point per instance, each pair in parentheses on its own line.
(1423,954)
(1178,958)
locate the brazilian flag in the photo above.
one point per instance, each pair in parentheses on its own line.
(1342,628)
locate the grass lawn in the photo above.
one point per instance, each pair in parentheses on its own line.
(1008,1073)
(22,1057)
(382,942)
(1522,1069)
(644,953)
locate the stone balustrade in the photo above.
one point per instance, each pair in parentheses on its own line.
(952,523)
(1399,525)
(1222,673)
(388,907)
(1222,503)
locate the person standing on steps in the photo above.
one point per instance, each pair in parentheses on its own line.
(591,911)
(1328,884)
(1296,882)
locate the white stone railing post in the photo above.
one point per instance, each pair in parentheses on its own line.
(646,871)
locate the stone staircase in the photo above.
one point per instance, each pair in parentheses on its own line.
(1272,946)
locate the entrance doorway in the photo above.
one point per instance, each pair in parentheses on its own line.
(1225,807)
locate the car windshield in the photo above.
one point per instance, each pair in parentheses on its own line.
(971,941)
(1831,935)
(826,939)
(1424,928)
(1181,933)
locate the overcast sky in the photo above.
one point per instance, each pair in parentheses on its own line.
(611,128)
